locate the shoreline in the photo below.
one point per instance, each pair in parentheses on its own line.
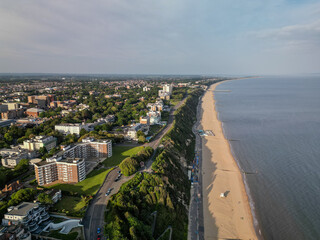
(232,216)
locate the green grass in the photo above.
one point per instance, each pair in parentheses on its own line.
(70,204)
(174,102)
(89,186)
(70,236)
(119,153)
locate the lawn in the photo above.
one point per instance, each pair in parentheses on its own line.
(174,102)
(57,235)
(70,204)
(89,186)
(119,153)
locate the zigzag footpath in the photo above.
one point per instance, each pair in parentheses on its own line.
(156,202)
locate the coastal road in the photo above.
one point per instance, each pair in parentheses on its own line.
(94,217)
(156,141)
(196,229)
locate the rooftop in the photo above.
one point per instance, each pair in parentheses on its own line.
(22,209)
(35,110)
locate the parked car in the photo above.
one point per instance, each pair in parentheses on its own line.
(98,230)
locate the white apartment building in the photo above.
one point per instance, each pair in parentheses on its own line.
(70,128)
(29,214)
(39,142)
(132,132)
(155,117)
(145,89)
(167,88)
(12,157)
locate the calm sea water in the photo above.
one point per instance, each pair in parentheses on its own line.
(274,125)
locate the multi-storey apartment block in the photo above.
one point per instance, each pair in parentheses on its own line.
(40,141)
(67,170)
(89,148)
(70,128)
(29,214)
(12,157)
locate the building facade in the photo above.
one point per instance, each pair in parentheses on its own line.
(90,148)
(66,170)
(34,112)
(26,213)
(39,142)
(12,157)
(155,117)
(12,114)
(145,120)
(70,128)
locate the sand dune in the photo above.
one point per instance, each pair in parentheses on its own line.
(229,217)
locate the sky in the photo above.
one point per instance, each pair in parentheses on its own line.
(241,37)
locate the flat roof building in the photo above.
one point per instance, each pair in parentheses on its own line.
(29,214)
(66,170)
(38,142)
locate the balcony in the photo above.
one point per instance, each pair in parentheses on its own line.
(27,220)
(44,218)
(32,229)
(32,224)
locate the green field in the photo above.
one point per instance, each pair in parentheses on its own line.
(70,204)
(119,153)
(89,186)
(174,102)
(57,235)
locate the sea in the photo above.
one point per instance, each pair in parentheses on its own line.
(273,127)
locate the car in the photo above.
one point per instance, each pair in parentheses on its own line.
(98,230)
(99,237)
(109,191)
(119,171)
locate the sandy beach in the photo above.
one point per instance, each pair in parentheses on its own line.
(229,217)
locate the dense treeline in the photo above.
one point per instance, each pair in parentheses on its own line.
(130,165)
(8,174)
(165,191)
(23,195)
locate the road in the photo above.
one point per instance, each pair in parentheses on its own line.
(195,228)
(94,217)
(156,141)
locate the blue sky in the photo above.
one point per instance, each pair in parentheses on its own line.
(160,37)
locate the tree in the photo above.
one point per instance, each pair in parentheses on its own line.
(140,133)
(43,151)
(142,139)
(44,198)
(8,137)
(22,165)
(26,194)
(83,132)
